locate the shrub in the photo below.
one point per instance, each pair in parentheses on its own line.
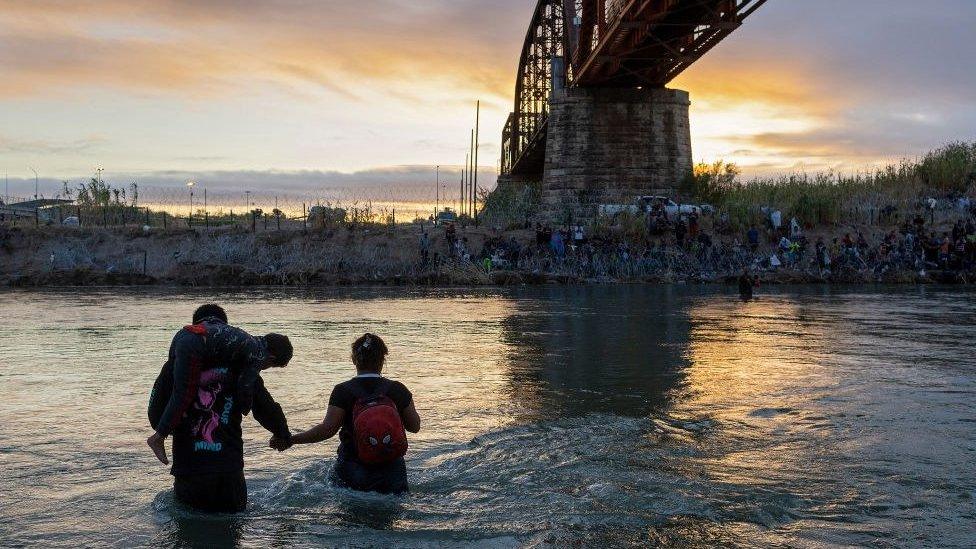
(511,204)
(948,169)
(709,182)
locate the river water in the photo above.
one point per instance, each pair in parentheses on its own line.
(579,416)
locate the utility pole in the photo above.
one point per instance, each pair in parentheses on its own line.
(437,191)
(471,174)
(35,181)
(464,185)
(6,188)
(247,201)
(474,191)
(461,195)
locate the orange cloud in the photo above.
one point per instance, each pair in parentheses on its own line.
(795,84)
(50,47)
(786,89)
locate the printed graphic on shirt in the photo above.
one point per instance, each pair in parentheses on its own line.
(208,415)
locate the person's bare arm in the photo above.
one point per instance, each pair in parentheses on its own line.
(411,419)
(323,431)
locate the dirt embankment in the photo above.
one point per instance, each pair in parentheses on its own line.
(374,255)
(56,256)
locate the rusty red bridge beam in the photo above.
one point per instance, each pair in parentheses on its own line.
(648,42)
(606,43)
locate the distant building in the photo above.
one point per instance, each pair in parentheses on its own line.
(42,208)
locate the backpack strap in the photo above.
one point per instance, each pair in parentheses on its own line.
(198,329)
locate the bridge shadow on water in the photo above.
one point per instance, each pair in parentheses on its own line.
(605,350)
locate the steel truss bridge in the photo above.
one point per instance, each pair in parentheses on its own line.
(606,43)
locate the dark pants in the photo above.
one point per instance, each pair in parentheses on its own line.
(212,493)
(385,479)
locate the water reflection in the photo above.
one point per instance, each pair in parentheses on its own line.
(576,351)
(745,349)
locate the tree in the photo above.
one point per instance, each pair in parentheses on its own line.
(94,193)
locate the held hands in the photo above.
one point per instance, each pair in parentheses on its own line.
(279,444)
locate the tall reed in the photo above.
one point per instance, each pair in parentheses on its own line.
(830,197)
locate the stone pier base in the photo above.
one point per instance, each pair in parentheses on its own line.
(609,146)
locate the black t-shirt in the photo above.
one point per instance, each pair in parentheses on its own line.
(208,439)
(345,394)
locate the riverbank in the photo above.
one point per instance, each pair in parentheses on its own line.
(472,256)
(911,222)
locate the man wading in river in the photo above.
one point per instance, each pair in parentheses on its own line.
(211,380)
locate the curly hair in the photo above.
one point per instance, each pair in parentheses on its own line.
(209,310)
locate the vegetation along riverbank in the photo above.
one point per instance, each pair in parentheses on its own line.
(912,222)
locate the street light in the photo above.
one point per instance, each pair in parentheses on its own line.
(35,181)
(189,185)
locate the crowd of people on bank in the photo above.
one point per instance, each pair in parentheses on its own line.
(683,247)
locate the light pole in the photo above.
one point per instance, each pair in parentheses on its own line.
(474,184)
(189,185)
(35,181)
(98,178)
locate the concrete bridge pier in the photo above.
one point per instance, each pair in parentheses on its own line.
(611,145)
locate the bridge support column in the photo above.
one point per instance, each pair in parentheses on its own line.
(609,146)
(517,180)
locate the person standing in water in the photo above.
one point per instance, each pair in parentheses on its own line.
(370,413)
(745,285)
(215,381)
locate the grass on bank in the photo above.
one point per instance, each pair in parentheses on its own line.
(828,197)
(511,206)
(821,198)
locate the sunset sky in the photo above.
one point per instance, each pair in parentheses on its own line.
(304,94)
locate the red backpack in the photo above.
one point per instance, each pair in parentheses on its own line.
(378,430)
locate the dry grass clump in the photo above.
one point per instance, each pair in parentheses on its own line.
(511,205)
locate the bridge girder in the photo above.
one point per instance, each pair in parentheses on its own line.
(606,43)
